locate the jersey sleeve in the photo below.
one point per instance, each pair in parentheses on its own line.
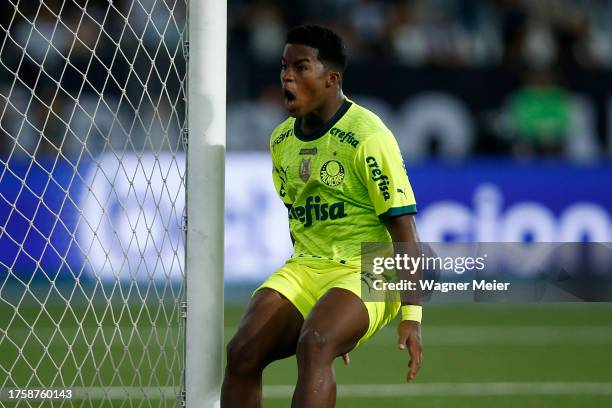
(279,176)
(380,167)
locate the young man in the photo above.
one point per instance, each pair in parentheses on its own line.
(340,173)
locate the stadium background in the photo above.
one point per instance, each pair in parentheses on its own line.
(502,109)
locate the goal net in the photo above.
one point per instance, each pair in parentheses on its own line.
(92,197)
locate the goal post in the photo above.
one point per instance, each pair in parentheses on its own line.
(205,204)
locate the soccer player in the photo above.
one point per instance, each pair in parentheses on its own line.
(339,171)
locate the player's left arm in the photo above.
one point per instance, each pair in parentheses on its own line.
(380,166)
(403,229)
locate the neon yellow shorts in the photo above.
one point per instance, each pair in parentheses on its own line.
(303,283)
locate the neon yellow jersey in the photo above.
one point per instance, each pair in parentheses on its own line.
(340,183)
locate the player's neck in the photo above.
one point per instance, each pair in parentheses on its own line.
(319,117)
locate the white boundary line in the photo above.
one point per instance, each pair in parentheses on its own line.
(474,389)
(432,335)
(506,335)
(497,335)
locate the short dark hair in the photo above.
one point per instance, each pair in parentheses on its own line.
(329,44)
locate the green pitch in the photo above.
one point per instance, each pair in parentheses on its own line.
(101,353)
(479,355)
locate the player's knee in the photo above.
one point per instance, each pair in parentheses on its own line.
(242,357)
(313,345)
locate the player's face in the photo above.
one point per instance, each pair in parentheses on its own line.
(303,78)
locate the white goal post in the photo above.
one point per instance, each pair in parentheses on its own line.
(112,149)
(205,192)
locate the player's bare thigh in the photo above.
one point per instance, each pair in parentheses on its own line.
(269,329)
(335,325)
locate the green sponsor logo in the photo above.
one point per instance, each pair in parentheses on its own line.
(332,173)
(377,176)
(344,137)
(314,210)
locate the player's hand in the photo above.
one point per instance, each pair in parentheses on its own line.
(346,359)
(409,333)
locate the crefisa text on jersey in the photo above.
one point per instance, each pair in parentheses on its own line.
(314,210)
(379,177)
(344,137)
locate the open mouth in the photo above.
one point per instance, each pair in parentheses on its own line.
(289,96)
(289,100)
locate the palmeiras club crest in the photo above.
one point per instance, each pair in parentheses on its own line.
(332,173)
(305,170)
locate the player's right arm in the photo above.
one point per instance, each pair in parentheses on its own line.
(279,172)
(279,177)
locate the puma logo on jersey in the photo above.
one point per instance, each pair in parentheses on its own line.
(344,137)
(314,210)
(377,175)
(282,176)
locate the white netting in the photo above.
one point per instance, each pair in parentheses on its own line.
(92,176)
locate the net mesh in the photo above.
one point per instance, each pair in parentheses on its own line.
(92,176)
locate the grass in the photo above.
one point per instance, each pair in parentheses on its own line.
(93,348)
(476,355)
(563,344)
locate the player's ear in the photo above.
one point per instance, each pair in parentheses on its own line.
(333,78)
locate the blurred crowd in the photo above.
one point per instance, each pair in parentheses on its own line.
(531,47)
(445,33)
(83,77)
